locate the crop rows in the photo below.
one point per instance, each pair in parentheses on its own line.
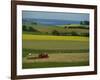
(35,51)
(48,37)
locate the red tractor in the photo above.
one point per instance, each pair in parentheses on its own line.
(43,55)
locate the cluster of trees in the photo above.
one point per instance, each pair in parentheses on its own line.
(73,33)
(54,32)
(30,29)
(78,27)
(84,22)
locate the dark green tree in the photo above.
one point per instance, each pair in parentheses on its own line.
(81,22)
(34,23)
(24,28)
(31,29)
(84,22)
(55,32)
(74,33)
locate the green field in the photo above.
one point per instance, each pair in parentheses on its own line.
(57,60)
(48,29)
(68,47)
(53,64)
(50,37)
(62,51)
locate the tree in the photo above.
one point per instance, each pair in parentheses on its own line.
(24,28)
(81,22)
(34,23)
(74,33)
(31,29)
(55,32)
(84,22)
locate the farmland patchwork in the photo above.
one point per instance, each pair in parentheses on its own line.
(53,44)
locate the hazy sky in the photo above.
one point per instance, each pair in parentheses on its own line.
(55,15)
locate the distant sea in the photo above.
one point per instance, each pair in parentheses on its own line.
(49,21)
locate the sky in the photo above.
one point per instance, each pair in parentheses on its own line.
(56,15)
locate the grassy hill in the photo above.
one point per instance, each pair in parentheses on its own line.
(64,44)
(61,29)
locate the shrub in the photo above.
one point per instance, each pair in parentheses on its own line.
(24,28)
(74,33)
(55,32)
(31,29)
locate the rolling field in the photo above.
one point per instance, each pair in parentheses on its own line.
(48,37)
(60,57)
(54,39)
(60,28)
(53,44)
(57,60)
(62,50)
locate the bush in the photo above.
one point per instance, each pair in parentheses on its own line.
(34,23)
(74,33)
(84,22)
(24,28)
(55,32)
(31,29)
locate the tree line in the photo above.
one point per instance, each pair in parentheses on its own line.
(30,29)
(73,33)
(84,22)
